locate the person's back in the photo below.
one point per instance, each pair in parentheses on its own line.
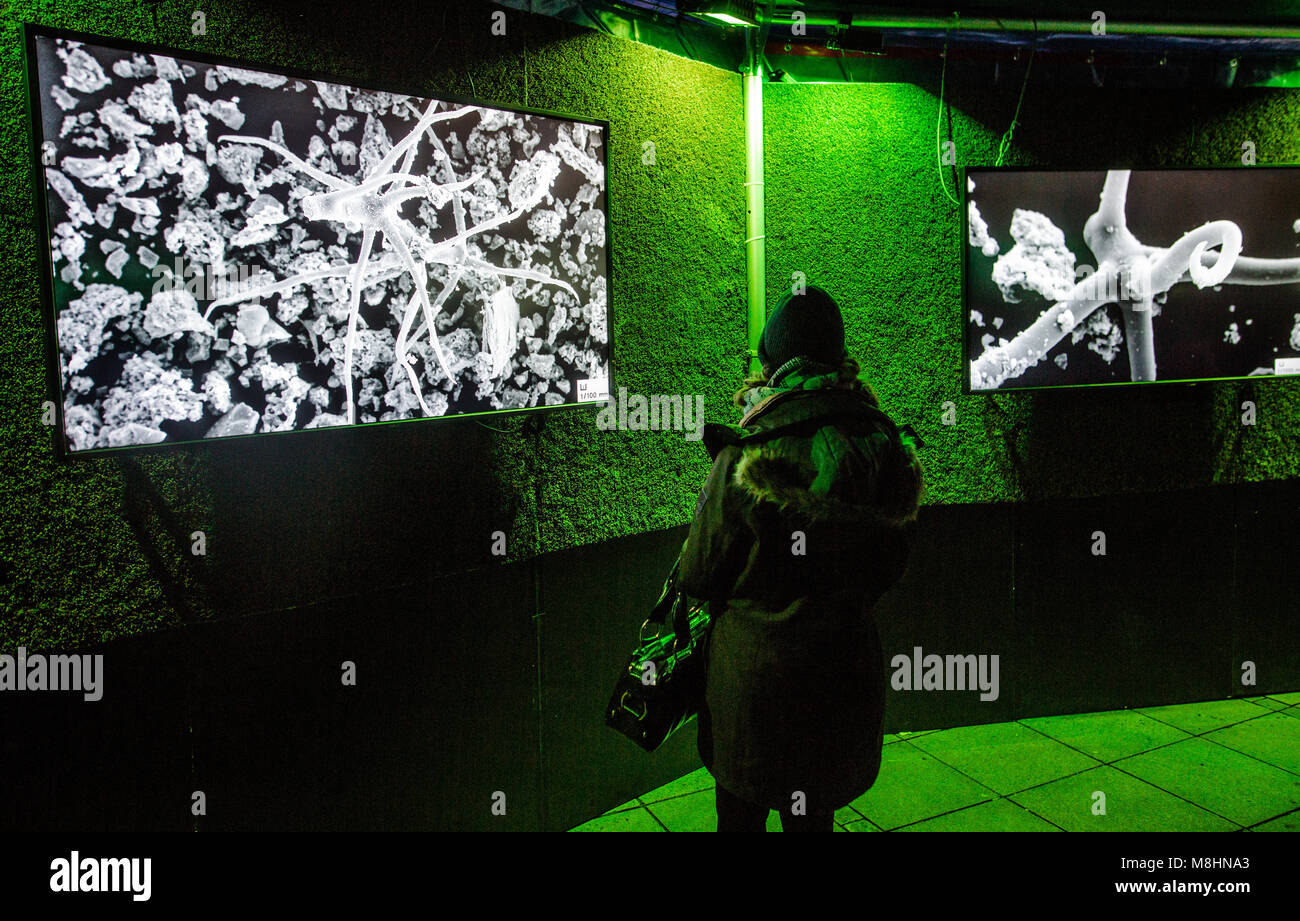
(799,531)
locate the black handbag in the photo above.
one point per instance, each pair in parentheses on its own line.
(662,688)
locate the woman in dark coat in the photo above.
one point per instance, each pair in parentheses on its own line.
(801,527)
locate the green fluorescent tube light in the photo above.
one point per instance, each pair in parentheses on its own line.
(729,19)
(730,12)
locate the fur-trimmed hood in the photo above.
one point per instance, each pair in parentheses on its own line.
(833,492)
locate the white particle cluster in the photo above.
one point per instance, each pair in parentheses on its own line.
(1107,335)
(1038,262)
(978,233)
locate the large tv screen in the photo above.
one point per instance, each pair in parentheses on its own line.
(1075,278)
(234,250)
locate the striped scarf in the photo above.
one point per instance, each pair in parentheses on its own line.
(798,373)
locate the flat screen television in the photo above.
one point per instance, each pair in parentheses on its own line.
(232,250)
(1084,278)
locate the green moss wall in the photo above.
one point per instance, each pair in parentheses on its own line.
(99,548)
(854,203)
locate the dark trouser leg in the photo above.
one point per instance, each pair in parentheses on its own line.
(735,814)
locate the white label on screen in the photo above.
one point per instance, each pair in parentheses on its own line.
(593,389)
(1283,366)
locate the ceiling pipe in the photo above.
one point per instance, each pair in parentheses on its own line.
(1078,26)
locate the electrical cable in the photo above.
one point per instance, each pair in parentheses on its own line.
(495,429)
(1005,143)
(938,147)
(952,145)
(762,39)
(464,58)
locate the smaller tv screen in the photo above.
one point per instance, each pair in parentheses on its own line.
(1083,278)
(236,251)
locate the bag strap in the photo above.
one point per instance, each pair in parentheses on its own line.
(852,413)
(659,613)
(672,603)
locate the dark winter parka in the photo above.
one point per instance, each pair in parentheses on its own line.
(801,527)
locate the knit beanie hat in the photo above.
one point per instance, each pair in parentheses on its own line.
(802,324)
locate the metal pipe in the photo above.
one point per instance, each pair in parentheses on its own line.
(755,229)
(986,24)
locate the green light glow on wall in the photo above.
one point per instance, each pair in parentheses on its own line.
(1289,80)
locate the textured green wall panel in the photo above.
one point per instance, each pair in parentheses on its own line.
(854,203)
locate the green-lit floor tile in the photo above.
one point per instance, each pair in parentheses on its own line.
(1274,738)
(996,815)
(846,815)
(1292,711)
(692,812)
(690,783)
(1292,697)
(1268,703)
(1107,736)
(1288,822)
(630,804)
(914,786)
(1219,779)
(1005,757)
(1130,805)
(627,820)
(860,825)
(1203,717)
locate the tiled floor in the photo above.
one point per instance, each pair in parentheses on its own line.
(1226,765)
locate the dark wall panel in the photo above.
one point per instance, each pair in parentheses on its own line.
(1267,615)
(121,763)
(954,599)
(442,716)
(595,600)
(1149,622)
